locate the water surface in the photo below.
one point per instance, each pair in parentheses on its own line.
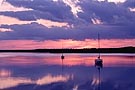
(45,71)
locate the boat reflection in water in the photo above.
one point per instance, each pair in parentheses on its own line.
(99,65)
(36,71)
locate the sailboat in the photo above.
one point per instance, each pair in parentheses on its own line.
(99,61)
(62,56)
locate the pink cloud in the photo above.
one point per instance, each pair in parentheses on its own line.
(48,23)
(5,6)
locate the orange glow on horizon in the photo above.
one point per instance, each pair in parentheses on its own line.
(69,43)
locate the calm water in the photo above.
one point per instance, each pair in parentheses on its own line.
(42,71)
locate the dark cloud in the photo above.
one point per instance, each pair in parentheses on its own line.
(105,11)
(35,31)
(29,15)
(45,9)
(130,3)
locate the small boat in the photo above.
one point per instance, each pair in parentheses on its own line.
(62,57)
(99,63)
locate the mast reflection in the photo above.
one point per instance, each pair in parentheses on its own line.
(62,58)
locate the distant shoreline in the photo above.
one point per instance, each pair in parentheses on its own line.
(86,50)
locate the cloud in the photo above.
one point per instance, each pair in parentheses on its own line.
(5,6)
(84,10)
(114,1)
(11,21)
(74,7)
(46,23)
(5,30)
(132,9)
(50,24)
(96,21)
(73,12)
(75,20)
(105,11)
(46,9)
(130,3)
(117,1)
(35,31)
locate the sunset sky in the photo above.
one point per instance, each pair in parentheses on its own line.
(32,24)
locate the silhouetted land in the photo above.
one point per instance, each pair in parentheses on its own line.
(86,50)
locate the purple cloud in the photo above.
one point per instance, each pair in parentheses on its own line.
(117,21)
(35,31)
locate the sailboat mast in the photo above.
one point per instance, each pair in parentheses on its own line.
(62,48)
(62,56)
(99,45)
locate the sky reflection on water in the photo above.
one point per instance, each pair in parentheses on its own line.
(38,71)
